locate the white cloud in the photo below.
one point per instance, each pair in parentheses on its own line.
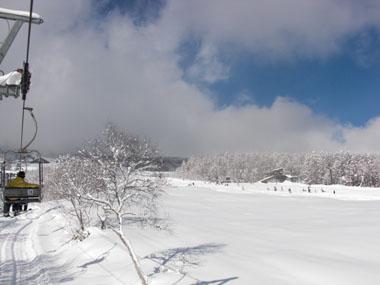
(208,66)
(89,70)
(276,29)
(363,139)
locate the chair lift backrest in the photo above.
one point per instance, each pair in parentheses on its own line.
(15,161)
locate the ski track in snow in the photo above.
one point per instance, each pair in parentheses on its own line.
(29,249)
(19,251)
(36,249)
(222,234)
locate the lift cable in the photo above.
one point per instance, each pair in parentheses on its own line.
(25,81)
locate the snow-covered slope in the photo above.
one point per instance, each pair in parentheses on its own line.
(236,234)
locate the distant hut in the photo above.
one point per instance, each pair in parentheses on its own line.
(278,176)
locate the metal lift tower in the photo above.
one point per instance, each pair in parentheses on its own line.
(10,83)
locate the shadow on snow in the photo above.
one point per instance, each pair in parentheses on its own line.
(40,270)
(178,259)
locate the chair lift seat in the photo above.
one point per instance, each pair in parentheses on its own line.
(22,195)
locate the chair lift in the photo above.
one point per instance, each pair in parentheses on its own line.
(10,83)
(29,161)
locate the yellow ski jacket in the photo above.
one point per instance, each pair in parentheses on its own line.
(18,182)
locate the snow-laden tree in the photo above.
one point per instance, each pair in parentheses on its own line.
(129,191)
(73,178)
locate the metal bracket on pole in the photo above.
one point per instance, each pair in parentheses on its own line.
(19,17)
(9,39)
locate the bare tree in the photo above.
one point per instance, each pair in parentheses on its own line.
(72,179)
(130,192)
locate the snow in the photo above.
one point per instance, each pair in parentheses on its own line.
(12,78)
(235,234)
(19,13)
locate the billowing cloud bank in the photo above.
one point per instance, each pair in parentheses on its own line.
(90,68)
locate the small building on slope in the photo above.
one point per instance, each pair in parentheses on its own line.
(278,176)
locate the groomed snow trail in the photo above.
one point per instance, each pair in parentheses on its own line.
(32,248)
(21,256)
(36,249)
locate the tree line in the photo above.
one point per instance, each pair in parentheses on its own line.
(345,168)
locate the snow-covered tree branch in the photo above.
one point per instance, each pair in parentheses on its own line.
(124,162)
(73,179)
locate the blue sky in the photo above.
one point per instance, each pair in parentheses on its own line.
(344,86)
(277,75)
(339,88)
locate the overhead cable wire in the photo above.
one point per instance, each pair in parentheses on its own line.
(26,71)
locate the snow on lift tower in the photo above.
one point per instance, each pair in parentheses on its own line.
(10,82)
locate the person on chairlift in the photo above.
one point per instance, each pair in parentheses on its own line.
(19,182)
